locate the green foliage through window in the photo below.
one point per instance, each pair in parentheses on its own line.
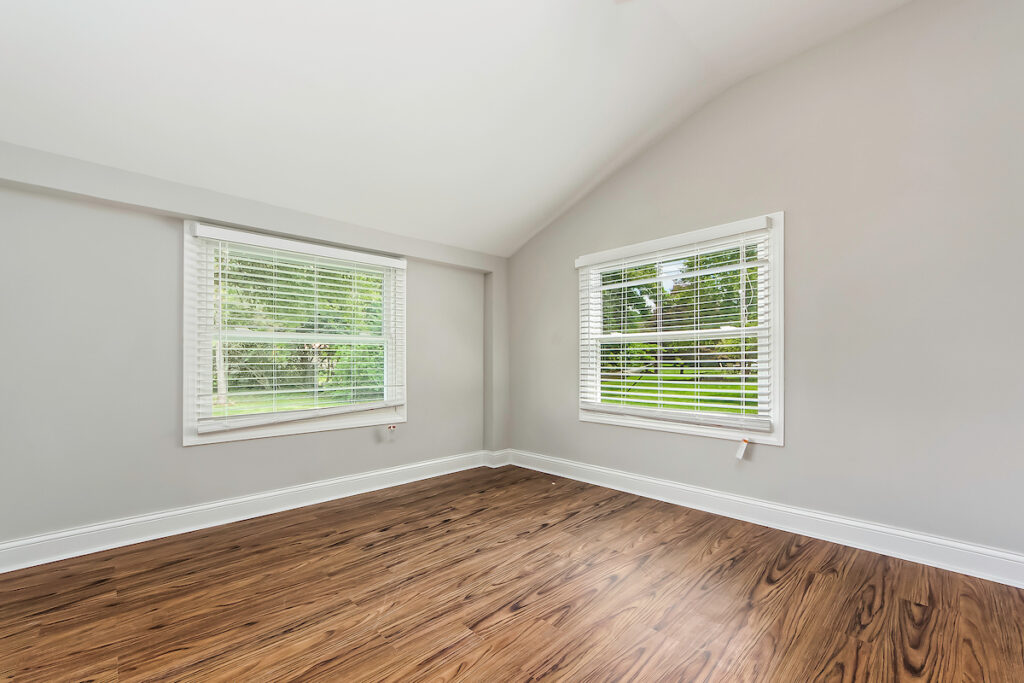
(684,332)
(291,333)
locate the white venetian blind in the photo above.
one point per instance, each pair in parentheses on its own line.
(285,331)
(683,333)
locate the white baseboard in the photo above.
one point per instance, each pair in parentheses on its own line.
(27,552)
(501,458)
(966,558)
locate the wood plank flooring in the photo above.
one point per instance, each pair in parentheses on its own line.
(502,575)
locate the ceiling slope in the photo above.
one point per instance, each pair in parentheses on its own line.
(462,122)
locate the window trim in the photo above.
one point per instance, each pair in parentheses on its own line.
(342,417)
(775,222)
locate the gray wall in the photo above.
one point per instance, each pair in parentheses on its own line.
(897,153)
(91,400)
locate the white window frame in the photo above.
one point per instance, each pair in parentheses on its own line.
(775,222)
(274,424)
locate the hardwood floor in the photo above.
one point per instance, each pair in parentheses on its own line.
(502,575)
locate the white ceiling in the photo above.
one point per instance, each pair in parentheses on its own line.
(466,122)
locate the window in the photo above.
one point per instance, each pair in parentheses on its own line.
(684,333)
(283,336)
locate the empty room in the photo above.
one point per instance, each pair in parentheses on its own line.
(569,340)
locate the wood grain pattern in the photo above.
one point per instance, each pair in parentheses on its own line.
(495,575)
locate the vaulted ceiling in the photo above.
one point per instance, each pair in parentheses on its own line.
(467,122)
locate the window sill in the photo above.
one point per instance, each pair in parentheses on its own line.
(365,418)
(773,439)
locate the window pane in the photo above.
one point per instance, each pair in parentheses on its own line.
(264,303)
(262,377)
(718,375)
(714,291)
(263,292)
